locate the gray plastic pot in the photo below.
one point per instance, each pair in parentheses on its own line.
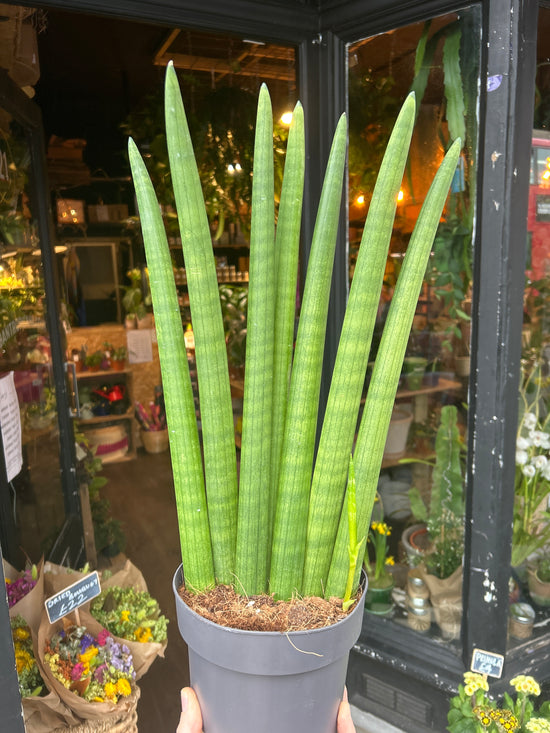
(264,680)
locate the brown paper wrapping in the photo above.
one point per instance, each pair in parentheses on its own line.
(57,577)
(446,599)
(81,708)
(30,606)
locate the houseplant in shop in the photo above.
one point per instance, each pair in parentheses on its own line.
(443,516)
(288,527)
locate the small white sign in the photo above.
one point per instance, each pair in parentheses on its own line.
(10,422)
(488,663)
(140,345)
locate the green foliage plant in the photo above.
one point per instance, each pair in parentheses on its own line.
(290,534)
(473,710)
(444,513)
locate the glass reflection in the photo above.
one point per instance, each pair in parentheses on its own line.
(422,483)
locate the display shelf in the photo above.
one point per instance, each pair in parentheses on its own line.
(126,419)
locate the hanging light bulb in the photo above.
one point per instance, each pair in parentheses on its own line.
(400,196)
(286,118)
(360,200)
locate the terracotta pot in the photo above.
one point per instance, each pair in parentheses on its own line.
(265,680)
(415,542)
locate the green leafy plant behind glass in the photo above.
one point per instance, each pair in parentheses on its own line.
(267,530)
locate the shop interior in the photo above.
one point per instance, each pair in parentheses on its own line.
(91,99)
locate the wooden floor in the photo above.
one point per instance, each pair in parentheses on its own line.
(141,494)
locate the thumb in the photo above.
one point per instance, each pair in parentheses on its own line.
(190,718)
(344,723)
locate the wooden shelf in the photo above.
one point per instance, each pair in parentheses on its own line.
(127,418)
(129,414)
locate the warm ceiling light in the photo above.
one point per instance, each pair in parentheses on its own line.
(400,196)
(360,200)
(286,118)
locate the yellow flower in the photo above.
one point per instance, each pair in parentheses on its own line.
(143,634)
(21,633)
(23,660)
(390,560)
(87,656)
(110,690)
(123,687)
(538,725)
(474,681)
(381,528)
(124,615)
(98,699)
(526,684)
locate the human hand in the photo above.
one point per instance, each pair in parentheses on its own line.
(191,718)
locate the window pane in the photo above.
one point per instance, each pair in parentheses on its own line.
(425,454)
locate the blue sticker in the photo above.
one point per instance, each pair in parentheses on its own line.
(493,82)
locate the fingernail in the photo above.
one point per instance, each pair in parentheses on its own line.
(184,700)
(345,694)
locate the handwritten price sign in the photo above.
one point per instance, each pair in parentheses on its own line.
(72,597)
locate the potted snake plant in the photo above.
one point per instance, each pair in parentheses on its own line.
(289,523)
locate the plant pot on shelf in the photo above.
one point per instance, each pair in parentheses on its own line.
(267,680)
(398,433)
(414,367)
(154,441)
(378,598)
(416,541)
(446,600)
(462,366)
(539,590)
(118,365)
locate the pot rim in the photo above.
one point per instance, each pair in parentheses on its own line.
(178,579)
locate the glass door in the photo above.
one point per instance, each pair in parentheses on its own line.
(38,482)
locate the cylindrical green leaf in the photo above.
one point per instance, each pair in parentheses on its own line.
(340,421)
(387,369)
(178,395)
(220,463)
(289,533)
(255,473)
(287,244)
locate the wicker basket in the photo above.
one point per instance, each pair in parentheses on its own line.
(116,722)
(155,441)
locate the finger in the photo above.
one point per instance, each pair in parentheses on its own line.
(344,723)
(191,718)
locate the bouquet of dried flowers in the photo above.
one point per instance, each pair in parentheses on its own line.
(97,669)
(31,683)
(19,587)
(473,711)
(130,614)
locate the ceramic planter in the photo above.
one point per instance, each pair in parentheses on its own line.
(415,541)
(398,433)
(267,681)
(538,589)
(414,366)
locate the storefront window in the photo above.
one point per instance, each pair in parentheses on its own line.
(531,529)
(423,480)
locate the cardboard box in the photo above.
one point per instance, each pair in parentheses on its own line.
(105,213)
